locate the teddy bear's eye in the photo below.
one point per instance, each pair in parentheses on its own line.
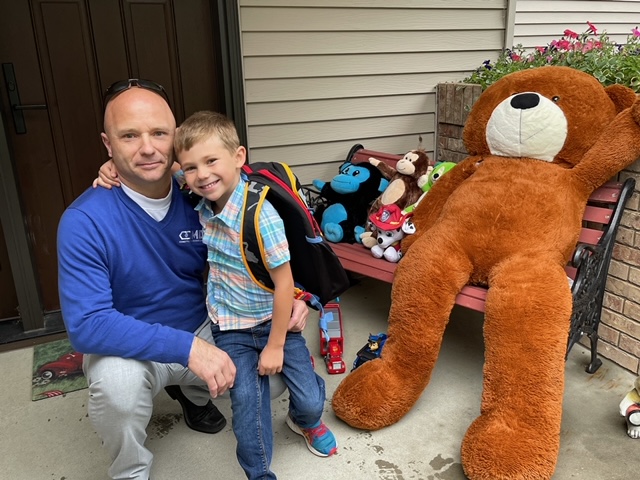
(555,99)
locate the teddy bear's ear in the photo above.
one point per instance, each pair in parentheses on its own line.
(621,96)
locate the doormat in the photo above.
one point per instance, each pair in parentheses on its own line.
(57,369)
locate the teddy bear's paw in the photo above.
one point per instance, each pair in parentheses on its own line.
(333,232)
(372,397)
(494,449)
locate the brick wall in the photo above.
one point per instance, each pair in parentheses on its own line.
(620,327)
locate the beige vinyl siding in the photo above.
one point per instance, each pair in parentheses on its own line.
(323,75)
(537,22)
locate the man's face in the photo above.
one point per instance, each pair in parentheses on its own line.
(139,131)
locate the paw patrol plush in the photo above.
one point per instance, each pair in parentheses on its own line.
(391,225)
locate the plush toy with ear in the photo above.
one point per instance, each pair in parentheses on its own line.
(427,182)
(391,225)
(349,195)
(404,187)
(507,217)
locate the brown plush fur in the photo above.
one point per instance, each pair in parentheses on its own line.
(403,189)
(510,223)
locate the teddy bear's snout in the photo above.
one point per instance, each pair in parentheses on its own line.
(523,101)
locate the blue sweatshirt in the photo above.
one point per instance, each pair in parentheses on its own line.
(131,286)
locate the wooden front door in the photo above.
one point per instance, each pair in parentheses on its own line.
(57,57)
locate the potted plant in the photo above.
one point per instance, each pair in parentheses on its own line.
(589,51)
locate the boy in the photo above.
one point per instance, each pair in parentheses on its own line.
(249,323)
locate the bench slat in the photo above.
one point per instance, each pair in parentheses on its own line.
(607,193)
(598,214)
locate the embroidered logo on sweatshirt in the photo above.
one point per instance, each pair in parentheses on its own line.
(191,236)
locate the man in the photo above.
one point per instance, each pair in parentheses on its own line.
(131,270)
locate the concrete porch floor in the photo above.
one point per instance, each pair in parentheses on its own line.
(53,438)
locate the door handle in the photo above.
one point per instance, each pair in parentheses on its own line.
(40,106)
(14,99)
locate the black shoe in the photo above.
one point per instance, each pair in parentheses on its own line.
(205,419)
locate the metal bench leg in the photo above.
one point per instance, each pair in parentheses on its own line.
(595,362)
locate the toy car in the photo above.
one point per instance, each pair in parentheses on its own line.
(332,348)
(371,350)
(68,364)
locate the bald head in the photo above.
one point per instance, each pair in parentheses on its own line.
(136,99)
(138,134)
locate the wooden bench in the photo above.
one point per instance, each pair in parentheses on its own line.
(588,267)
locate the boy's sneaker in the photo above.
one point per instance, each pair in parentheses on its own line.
(320,440)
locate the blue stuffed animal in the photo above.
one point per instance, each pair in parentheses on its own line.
(348,195)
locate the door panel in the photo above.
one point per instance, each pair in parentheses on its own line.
(65,53)
(8,299)
(36,165)
(64,40)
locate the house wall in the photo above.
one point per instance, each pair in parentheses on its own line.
(537,22)
(321,75)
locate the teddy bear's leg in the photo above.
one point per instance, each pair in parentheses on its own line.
(381,391)
(517,435)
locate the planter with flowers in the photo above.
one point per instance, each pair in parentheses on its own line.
(589,51)
(610,63)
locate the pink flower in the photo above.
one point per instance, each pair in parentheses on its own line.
(543,49)
(636,32)
(570,33)
(515,57)
(563,44)
(592,28)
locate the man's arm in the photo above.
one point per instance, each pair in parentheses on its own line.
(93,324)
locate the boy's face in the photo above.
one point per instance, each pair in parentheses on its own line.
(211,170)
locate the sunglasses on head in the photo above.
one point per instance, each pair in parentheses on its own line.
(122,85)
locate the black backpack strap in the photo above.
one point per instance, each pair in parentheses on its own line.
(250,239)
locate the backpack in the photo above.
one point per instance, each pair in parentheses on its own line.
(317,271)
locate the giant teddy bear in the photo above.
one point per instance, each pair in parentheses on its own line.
(508,216)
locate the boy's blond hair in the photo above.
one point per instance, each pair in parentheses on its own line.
(202,125)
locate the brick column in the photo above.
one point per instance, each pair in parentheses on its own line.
(454,101)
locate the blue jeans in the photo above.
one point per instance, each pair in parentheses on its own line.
(250,399)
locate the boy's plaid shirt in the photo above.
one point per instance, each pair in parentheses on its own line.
(234,301)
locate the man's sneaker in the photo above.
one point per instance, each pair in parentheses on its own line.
(320,440)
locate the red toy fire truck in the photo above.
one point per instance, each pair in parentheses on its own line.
(331,339)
